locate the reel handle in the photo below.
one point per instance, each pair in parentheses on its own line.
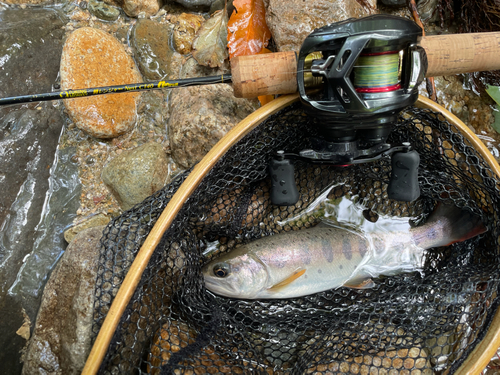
(276,73)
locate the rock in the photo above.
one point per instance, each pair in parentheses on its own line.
(103,11)
(394,2)
(220,4)
(33,2)
(196,4)
(93,58)
(186,26)
(94,221)
(150,41)
(427,10)
(290,27)
(61,338)
(200,116)
(136,174)
(135,7)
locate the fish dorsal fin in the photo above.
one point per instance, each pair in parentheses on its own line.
(294,276)
(359,284)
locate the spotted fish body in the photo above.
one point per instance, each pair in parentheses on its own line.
(327,255)
(299,263)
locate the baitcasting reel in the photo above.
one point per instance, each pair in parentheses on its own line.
(367,71)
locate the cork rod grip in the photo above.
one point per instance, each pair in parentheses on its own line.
(461,53)
(264,74)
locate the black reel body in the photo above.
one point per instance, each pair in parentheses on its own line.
(366,71)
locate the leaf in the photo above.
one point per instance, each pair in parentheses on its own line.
(248,31)
(209,46)
(494,92)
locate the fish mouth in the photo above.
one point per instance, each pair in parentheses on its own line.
(215,286)
(209,282)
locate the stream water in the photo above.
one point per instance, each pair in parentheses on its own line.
(39,184)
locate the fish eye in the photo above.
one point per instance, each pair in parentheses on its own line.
(221,270)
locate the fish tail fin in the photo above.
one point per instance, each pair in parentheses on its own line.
(456,224)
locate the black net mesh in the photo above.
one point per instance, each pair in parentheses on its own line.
(414,323)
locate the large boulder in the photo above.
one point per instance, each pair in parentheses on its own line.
(94,58)
(200,116)
(290,26)
(61,339)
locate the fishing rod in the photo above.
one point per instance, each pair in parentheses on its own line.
(69,94)
(276,73)
(364,72)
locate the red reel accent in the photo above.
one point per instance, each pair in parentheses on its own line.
(368,90)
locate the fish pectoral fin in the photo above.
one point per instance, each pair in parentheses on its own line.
(294,276)
(359,284)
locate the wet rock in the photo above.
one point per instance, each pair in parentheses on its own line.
(60,206)
(394,2)
(135,7)
(219,5)
(200,116)
(33,2)
(93,58)
(136,174)
(30,46)
(150,41)
(186,26)
(61,337)
(80,14)
(103,11)
(94,221)
(427,10)
(195,4)
(290,27)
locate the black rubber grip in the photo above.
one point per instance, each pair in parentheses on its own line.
(283,188)
(403,185)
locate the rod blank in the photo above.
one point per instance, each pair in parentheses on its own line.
(67,94)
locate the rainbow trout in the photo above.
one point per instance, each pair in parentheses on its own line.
(308,261)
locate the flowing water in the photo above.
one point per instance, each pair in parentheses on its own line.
(39,184)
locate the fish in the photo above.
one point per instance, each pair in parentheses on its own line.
(312,260)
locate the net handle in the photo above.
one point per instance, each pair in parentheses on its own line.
(483,351)
(134,274)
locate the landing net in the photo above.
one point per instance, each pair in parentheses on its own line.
(416,323)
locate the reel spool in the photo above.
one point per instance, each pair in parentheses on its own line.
(369,70)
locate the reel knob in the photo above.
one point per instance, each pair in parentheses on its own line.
(283,188)
(403,184)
